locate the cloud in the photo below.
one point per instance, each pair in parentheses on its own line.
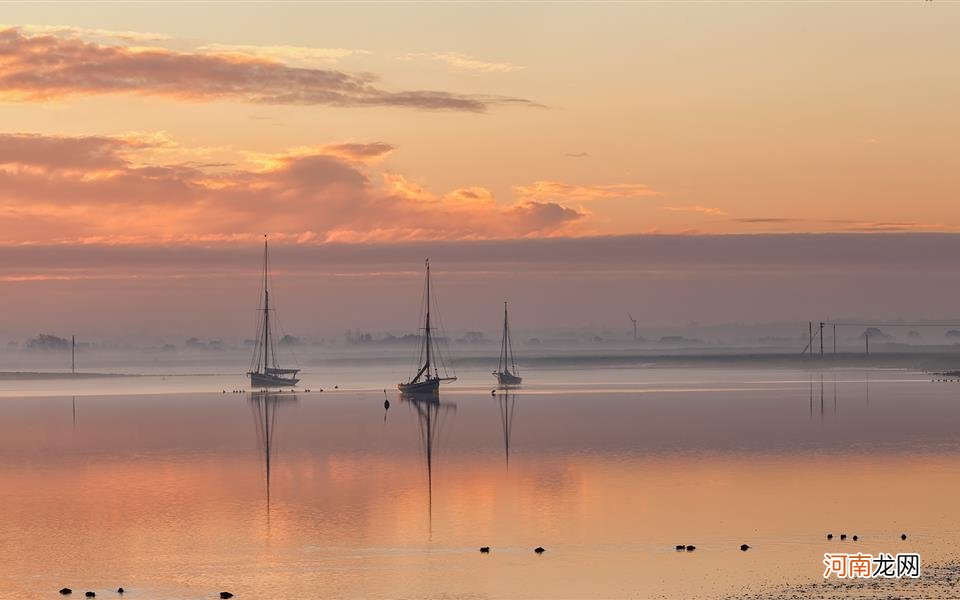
(48,67)
(293,55)
(364,153)
(53,152)
(893,226)
(555,190)
(767,220)
(463,62)
(91,33)
(58,189)
(707,210)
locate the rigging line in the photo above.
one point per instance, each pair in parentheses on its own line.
(288,351)
(255,360)
(416,363)
(442,329)
(810,343)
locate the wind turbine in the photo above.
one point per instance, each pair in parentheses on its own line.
(634,321)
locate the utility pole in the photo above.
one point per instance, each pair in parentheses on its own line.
(834,338)
(73,354)
(866,339)
(810,332)
(821,339)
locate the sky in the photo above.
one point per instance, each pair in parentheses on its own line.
(177,134)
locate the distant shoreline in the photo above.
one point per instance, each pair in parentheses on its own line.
(37,375)
(913,361)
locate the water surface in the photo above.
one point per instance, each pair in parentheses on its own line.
(181,495)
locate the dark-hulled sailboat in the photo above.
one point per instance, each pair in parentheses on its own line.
(431,367)
(264,370)
(507,373)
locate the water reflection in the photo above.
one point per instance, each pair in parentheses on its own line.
(508,403)
(836,385)
(431,415)
(265,407)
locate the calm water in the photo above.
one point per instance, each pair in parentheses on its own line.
(181,495)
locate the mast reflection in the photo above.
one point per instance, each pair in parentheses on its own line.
(265,407)
(508,403)
(431,413)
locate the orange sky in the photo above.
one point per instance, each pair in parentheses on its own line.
(146,132)
(219,122)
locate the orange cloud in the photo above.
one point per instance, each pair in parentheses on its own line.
(707,210)
(50,67)
(101,190)
(463,62)
(555,190)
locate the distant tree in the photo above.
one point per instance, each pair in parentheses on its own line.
(48,342)
(289,340)
(473,337)
(194,343)
(914,334)
(875,334)
(952,334)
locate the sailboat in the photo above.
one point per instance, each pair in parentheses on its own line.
(431,367)
(264,371)
(506,372)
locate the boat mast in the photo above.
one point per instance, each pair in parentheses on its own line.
(426,328)
(266,310)
(503,342)
(506,330)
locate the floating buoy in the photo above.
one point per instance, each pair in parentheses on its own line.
(66,591)
(226,595)
(681,547)
(691,548)
(539,550)
(744,547)
(485,549)
(903,536)
(855,538)
(843,536)
(90,594)
(120,590)
(829,536)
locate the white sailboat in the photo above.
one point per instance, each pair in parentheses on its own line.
(432,369)
(507,372)
(264,371)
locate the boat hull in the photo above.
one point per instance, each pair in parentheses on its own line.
(430,387)
(264,380)
(507,378)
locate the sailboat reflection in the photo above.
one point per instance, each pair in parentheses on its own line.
(507,402)
(431,413)
(265,407)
